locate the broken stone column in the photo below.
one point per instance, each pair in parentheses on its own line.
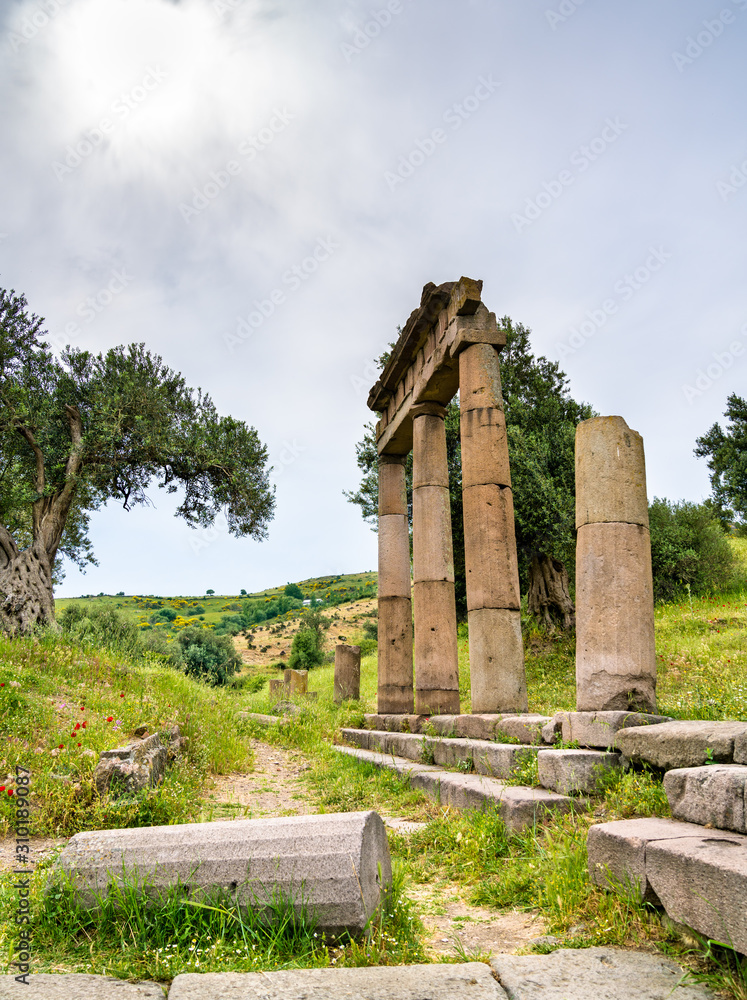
(615,654)
(335,866)
(395,603)
(496,650)
(347,673)
(277,687)
(296,682)
(436,657)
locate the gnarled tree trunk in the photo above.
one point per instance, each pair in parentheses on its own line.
(26,597)
(549,592)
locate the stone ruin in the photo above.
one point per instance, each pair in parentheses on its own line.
(452,343)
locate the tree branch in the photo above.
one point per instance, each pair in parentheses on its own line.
(39,478)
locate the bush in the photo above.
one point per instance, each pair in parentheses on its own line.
(293,590)
(204,655)
(306,651)
(689,548)
(101,626)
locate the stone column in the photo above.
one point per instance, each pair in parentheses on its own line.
(496,650)
(615,654)
(395,603)
(436,658)
(296,681)
(347,673)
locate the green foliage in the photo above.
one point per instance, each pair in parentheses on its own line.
(293,590)
(207,656)
(726,451)
(305,651)
(689,550)
(101,626)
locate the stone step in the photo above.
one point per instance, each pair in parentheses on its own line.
(470,981)
(76,986)
(519,806)
(598,730)
(699,876)
(684,743)
(714,795)
(331,865)
(526,727)
(495,760)
(572,771)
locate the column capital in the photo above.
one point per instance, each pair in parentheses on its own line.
(387,459)
(430,409)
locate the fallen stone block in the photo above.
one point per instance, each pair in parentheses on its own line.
(681,743)
(617,852)
(598,730)
(126,770)
(471,981)
(333,865)
(527,728)
(573,771)
(262,720)
(595,974)
(702,882)
(714,796)
(501,760)
(76,986)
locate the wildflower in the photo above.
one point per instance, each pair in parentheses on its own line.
(10,791)
(61,746)
(2,788)
(110,718)
(122,695)
(84,723)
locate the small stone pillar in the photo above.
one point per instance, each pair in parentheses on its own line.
(436,657)
(395,603)
(296,681)
(496,649)
(615,653)
(276,687)
(347,673)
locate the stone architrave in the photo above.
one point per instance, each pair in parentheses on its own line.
(436,655)
(347,673)
(615,655)
(496,650)
(395,694)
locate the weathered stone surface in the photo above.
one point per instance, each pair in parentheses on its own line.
(527,727)
(599,729)
(681,743)
(610,473)
(347,684)
(296,681)
(714,796)
(471,981)
(519,807)
(552,731)
(433,556)
(480,379)
(702,882)
(496,655)
(595,974)
(429,462)
(275,686)
(394,556)
(392,491)
(394,723)
(126,770)
(76,986)
(615,653)
(479,726)
(500,760)
(442,725)
(571,771)
(395,682)
(485,458)
(492,568)
(328,863)
(617,851)
(286,708)
(436,655)
(261,720)
(740,748)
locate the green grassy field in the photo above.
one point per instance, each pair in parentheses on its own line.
(49,686)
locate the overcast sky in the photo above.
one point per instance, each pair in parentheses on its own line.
(171,169)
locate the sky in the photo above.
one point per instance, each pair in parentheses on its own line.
(259,189)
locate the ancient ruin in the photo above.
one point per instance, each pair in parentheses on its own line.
(451,343)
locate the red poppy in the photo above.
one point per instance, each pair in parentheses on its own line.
(2,788)
(82,708)
(110,718)
(10,791)
(122,695)
(80,744)
(77,725)
(84,723)
(61,746)
(2,685)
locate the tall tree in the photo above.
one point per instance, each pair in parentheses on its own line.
(541,418)
(726,451)
(83,429)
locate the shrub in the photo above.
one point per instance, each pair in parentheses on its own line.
(689,548)
(306,651)
(293,590)
(94,626)
(204,655)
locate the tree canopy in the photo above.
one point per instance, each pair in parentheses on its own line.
(82,429)
(726,451)
(541,418)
